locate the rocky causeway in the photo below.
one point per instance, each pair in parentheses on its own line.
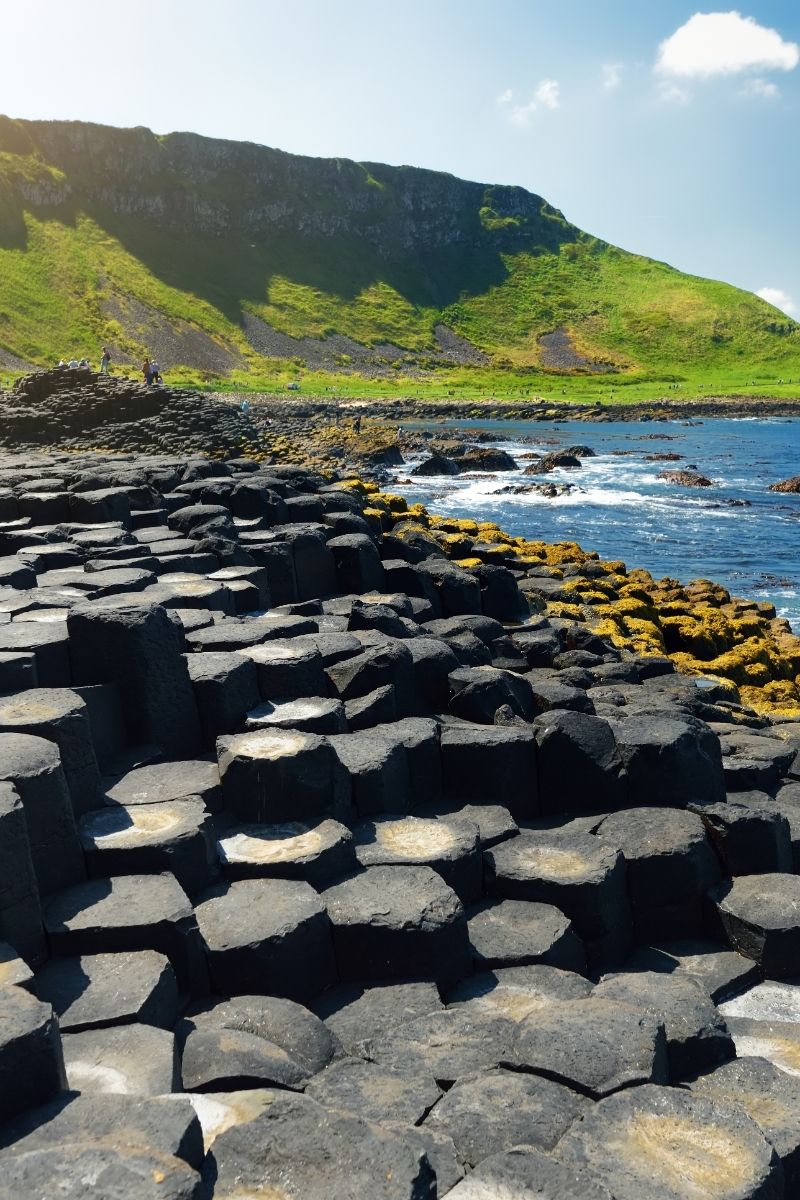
(348,851)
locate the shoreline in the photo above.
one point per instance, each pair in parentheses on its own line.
(409,408)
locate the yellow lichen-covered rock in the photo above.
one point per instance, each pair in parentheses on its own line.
(687,636)
(644,633)
(377,519)
(455,525)
(494,536)
(468,562)
(455,545)
(395,504)
(566,612)
(629,606)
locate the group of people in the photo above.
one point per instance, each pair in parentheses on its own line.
(151,372)
(150,368)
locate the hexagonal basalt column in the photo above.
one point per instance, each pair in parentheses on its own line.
(392,921)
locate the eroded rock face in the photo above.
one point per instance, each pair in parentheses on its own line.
(353,852)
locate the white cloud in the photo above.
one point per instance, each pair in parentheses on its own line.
(779,299)
(546,93)
(724,43)
(545,96)
(761,89)
(610,76)
(670,93)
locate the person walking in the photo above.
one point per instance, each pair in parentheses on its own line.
(105,360)
(147,371)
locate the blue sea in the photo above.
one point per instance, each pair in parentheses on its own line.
(623,510)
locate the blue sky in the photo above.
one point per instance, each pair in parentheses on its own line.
(667,128)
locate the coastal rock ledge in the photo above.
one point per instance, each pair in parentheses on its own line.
(349,851)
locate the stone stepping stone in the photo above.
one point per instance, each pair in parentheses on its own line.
(160,783)
(697,1036)
(136,1174)
(579,764)
(318,854)
(495,823)
(13,969)
(225,688)
(420,738)
(450,846)
(398,921)
(593,1046)
(749,839)
(439,1149)
(758,916)
(20,909)
(670,864)
(60,716)
(275,775)
(722,972)
(240,634)
(254,1041)
(508,933)
(33,765)
(515,993)
(50,645)
(168,1125)
(138,648)
(375,708)
(448,1045)
(486,763)
(770,1097)
(670,1144)
(149,838)
(218,1111)
(31,1061)
(287,671)
(135,1060)
(128,912)
(312,714)
(323,1153)
(776,1041)
(378,772)
(110,989)
(388,663)
(768,1001)
(528,1175)
(374,1092)
(500,1109)
(269,936)
(578,873)
(669,759)
(355,1013)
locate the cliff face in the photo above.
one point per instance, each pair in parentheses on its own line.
(185,183)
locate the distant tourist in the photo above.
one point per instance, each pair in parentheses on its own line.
(147,371)
(155,371)
(357,424)
(73,364)
(105,360)
(62,362)
(245,406)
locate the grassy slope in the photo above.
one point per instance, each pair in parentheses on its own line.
(659,326)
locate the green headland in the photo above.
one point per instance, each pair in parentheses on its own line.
(244,267)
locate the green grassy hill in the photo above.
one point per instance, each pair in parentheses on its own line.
(238,265)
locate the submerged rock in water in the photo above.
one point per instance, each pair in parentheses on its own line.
(787,485)
(686,478)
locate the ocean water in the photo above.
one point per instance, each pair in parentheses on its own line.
(623,510)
